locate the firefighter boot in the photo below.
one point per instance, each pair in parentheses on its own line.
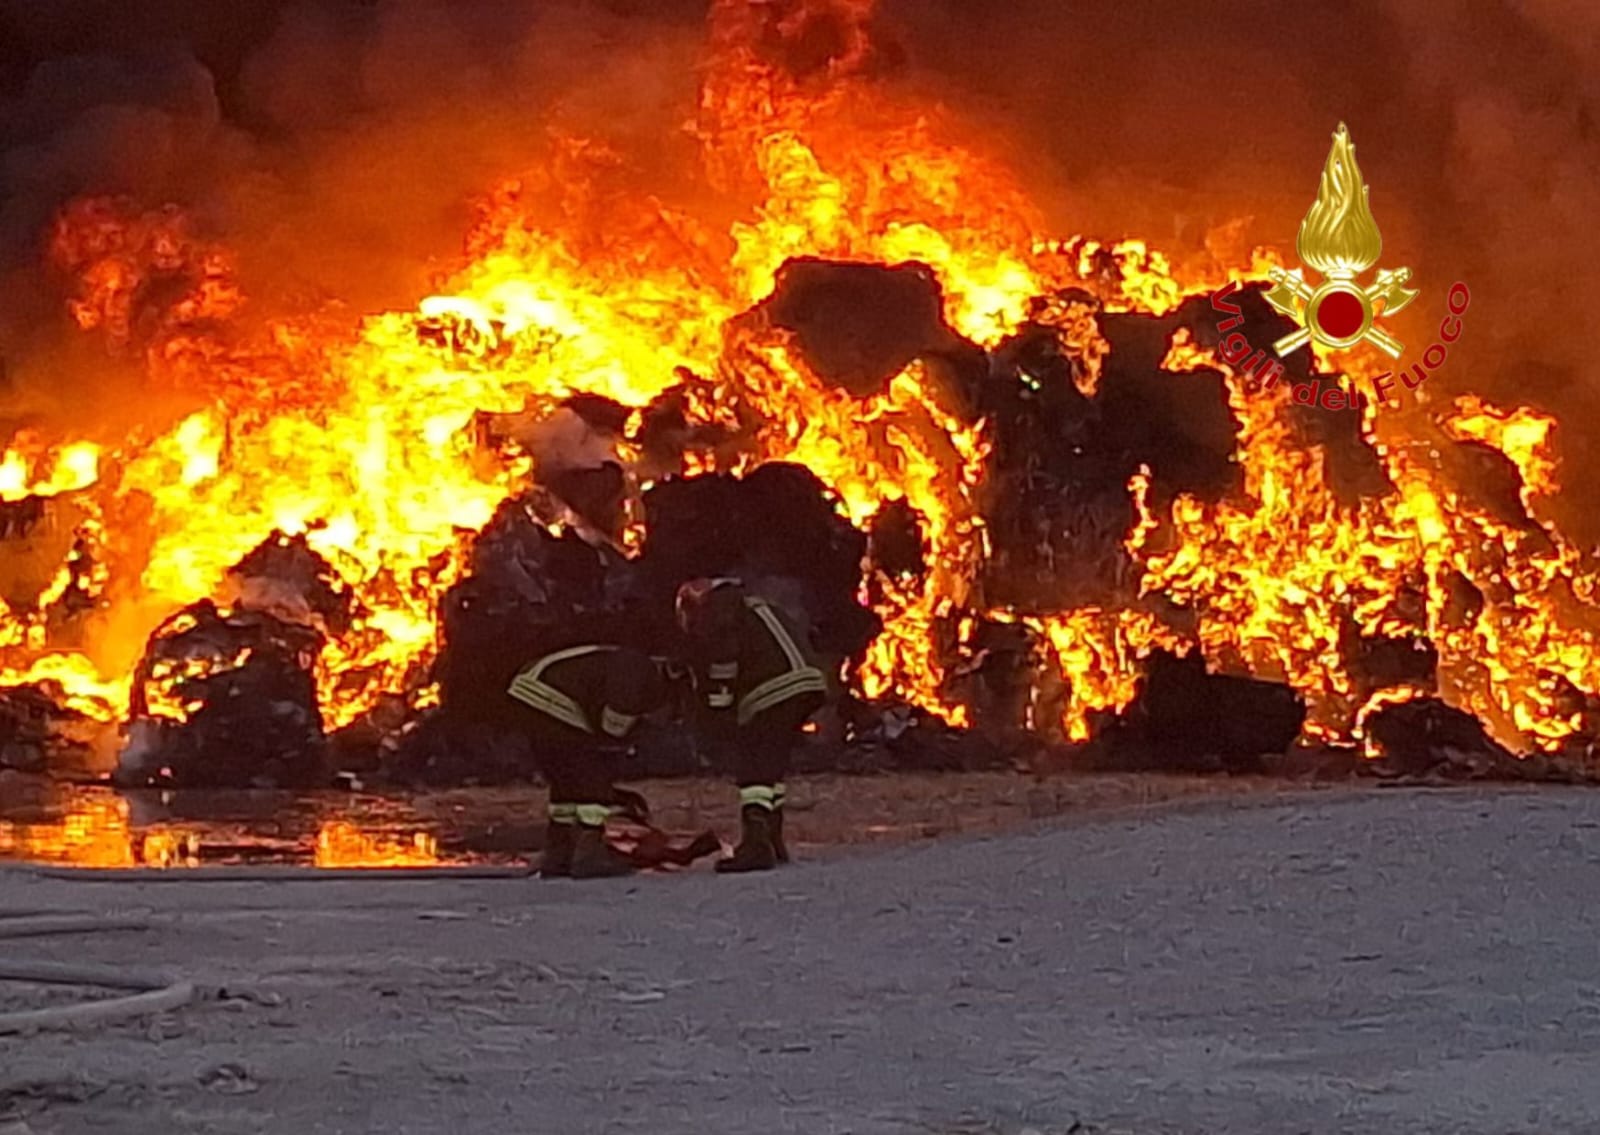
(594,858)
(559,836)
(755,851)
(779,848)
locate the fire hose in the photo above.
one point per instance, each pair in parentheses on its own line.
(151,992)
(147,993)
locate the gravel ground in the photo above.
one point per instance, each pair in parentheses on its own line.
(1364,961)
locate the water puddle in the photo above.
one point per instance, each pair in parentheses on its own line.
(94,826)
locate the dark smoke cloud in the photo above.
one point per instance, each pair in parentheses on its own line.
(336,146)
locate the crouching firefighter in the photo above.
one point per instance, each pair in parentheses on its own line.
(756,682)
(581,704)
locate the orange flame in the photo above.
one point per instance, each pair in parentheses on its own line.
(360,436)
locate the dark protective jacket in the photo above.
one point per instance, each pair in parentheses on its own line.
(765,668)
(578,687)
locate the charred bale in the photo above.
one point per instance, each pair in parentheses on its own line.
(995,681)
(1180,425)
(858,325)
(1185,719)
(1381,662)
(526,593)
(780,529)
(1494,480)
(36,729)
(283,575)
(1055,497)
(1354,470)
(1424,737)
(451,748)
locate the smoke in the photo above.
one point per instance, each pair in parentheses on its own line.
(336,145)
(566,442)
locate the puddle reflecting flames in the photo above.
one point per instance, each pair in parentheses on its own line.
(91,827)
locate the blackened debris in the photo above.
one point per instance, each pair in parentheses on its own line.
(1424,737)
(1184,719)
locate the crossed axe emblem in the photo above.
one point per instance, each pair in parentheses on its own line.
(1350,319)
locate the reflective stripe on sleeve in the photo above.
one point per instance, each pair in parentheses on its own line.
(756,796)
(780,633)
(593,815)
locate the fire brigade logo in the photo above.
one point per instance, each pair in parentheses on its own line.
(1340,240)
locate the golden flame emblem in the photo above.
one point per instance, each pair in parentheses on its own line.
(1339,239)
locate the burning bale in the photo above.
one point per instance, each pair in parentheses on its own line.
(780,530)
(228,696)
(38,733)
(525,593)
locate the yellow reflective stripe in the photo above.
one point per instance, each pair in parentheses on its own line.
(548,699)
(527,687)
(615,724)
(781,689)
(562,813)
(538,668)
(721,699)
(722,671)
(779,632)
(779,790)
(756,795)
(593,815)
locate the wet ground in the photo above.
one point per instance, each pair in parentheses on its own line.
(96,826)
(1260,963)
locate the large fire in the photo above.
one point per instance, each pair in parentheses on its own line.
(359,435)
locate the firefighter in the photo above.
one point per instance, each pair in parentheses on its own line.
(582,704)
(756,682)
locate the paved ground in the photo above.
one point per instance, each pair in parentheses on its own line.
(1376,962)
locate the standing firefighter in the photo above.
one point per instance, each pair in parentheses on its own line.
(581,704)
(756,683)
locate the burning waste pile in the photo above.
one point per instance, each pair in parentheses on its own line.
(1024,504)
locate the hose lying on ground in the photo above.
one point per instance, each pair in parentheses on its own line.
(154,993)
